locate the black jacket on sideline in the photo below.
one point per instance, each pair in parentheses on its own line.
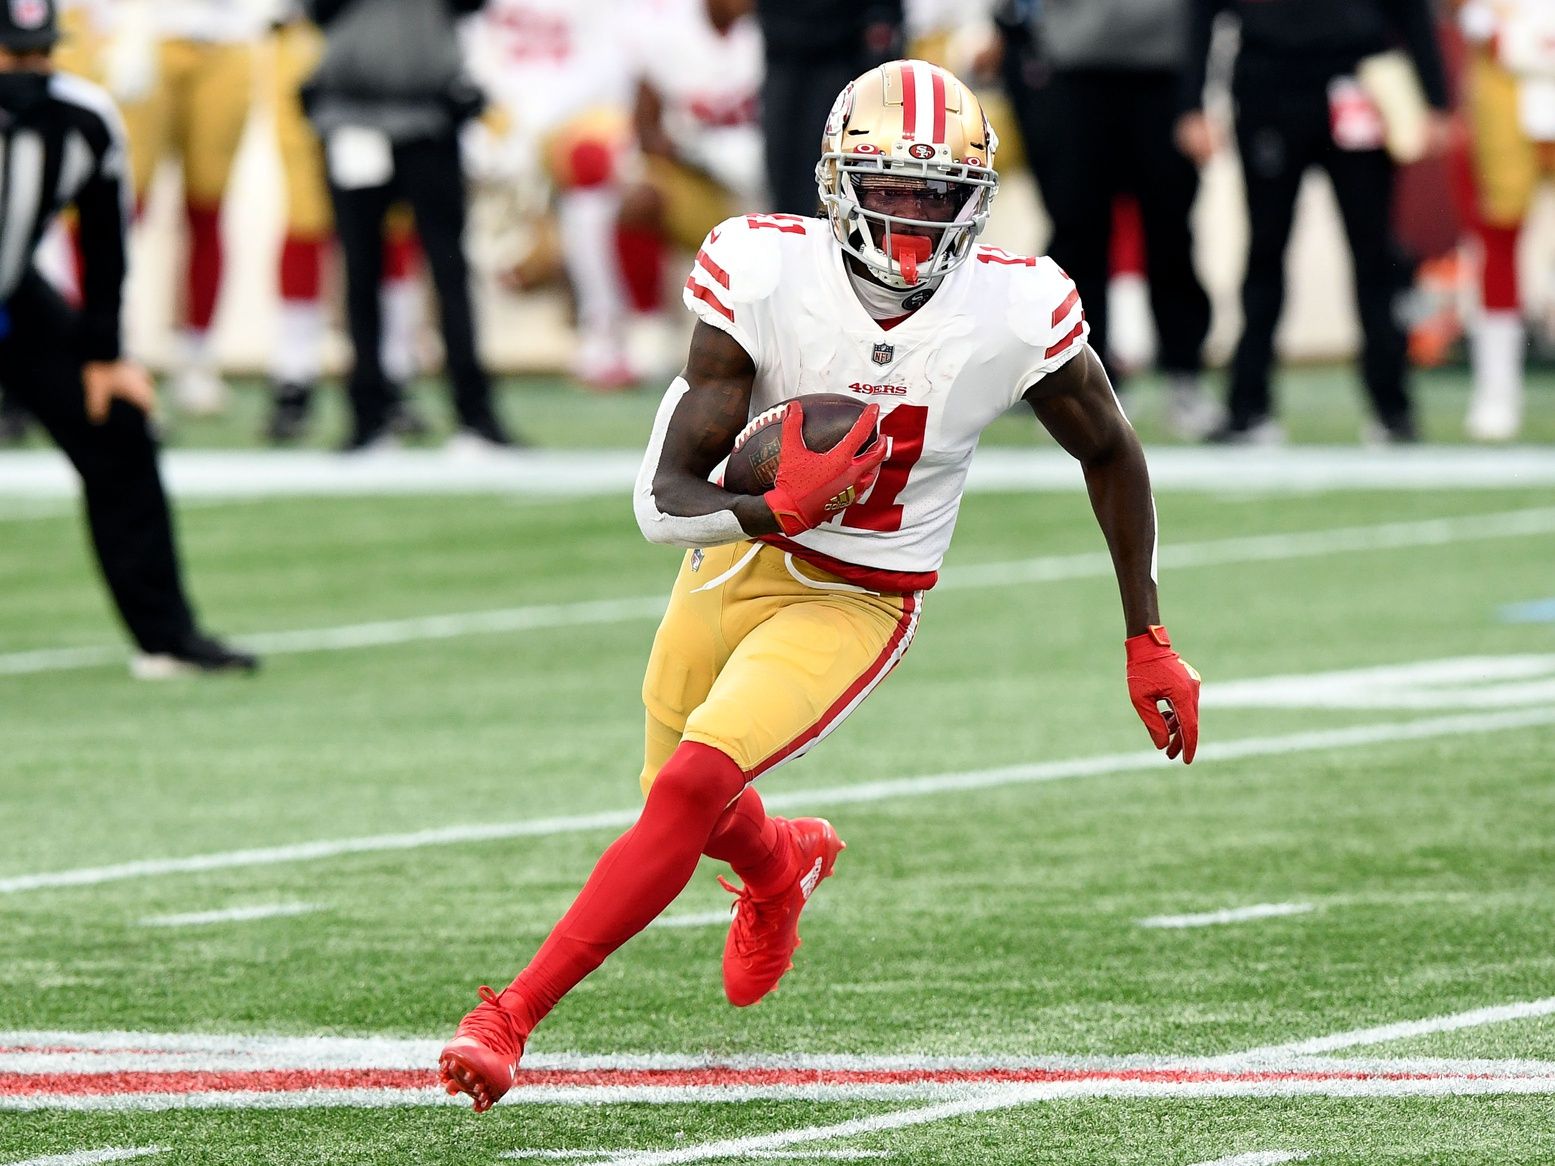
(1313,41)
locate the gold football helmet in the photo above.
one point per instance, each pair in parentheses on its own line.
(907,122)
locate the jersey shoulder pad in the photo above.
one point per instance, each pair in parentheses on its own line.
(739,264)
(1044,307)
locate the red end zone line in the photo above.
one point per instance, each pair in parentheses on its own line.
(293,1080)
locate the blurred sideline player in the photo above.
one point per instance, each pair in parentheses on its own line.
(792,606)
(556,76)
(183,72)
(699,67)
(1511,106)
(297,359)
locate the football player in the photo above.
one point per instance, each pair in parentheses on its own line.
(182,71)
(556,73)
(297,358)
(1511,103)
(792,606)
(699,70)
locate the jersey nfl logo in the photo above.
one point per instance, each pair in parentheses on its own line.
(883,353)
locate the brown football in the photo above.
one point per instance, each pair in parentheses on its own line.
(753,463)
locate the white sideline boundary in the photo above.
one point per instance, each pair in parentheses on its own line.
(1041,569)
(229,474)
(92,1157)
(1104,765)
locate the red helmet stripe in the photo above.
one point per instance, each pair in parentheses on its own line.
(939,105)
(910,99)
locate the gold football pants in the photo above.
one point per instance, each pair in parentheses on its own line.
(197,111)
(1507,164)
(761,655)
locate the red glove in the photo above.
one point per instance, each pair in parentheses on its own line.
(1155,672)
(811,486)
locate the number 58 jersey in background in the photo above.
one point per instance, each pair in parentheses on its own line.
(995,326)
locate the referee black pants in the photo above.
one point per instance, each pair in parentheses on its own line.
(126,509)
(429,175)
(1282,129)
(796,95)
(1104,132)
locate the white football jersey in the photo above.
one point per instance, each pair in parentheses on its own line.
(549,60)
(214,21)
(997,324)
(710,87)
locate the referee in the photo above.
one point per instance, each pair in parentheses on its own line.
(61,141)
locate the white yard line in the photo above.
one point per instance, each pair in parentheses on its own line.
(1404,1030)
(1047,568)
(762,1155)
(967,1099)
(1258,1158)
(91,1157)
(863,792)
(232,915)
(581,473)
(1230,915)
(1006,1097)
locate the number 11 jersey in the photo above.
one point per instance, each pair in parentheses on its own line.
(994,327)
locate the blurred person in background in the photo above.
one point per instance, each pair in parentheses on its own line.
(389,100)
(183,72)
(65,143)
(556,144)
(1298,104)
(1510,94)
(813,49)
(698,65)
(297,357)
(1113,72)
(83,37)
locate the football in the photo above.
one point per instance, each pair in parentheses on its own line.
(753,463)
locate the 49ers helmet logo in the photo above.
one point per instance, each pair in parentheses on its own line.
(841,108)
(29,14)
(921,150)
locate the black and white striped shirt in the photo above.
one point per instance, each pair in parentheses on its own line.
(69,149)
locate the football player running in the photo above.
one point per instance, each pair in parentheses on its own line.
(792,606)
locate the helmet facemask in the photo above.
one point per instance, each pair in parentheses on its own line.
(881,149)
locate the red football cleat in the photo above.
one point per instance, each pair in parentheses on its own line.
(765,932)
(482,1059)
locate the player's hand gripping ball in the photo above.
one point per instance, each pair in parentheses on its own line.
(810,458)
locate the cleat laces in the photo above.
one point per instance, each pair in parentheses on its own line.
(756,921)
(494,1026)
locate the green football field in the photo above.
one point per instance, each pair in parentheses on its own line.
(239,916)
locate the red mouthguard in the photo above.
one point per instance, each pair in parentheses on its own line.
(909,251)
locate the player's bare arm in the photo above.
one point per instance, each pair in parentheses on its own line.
(1077,406)
(715,407)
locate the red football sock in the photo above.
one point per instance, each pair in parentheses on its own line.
(638,876)
(302,267)
(759,849)
(204,264)
(1499,279)
(641,252)
(400,252)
